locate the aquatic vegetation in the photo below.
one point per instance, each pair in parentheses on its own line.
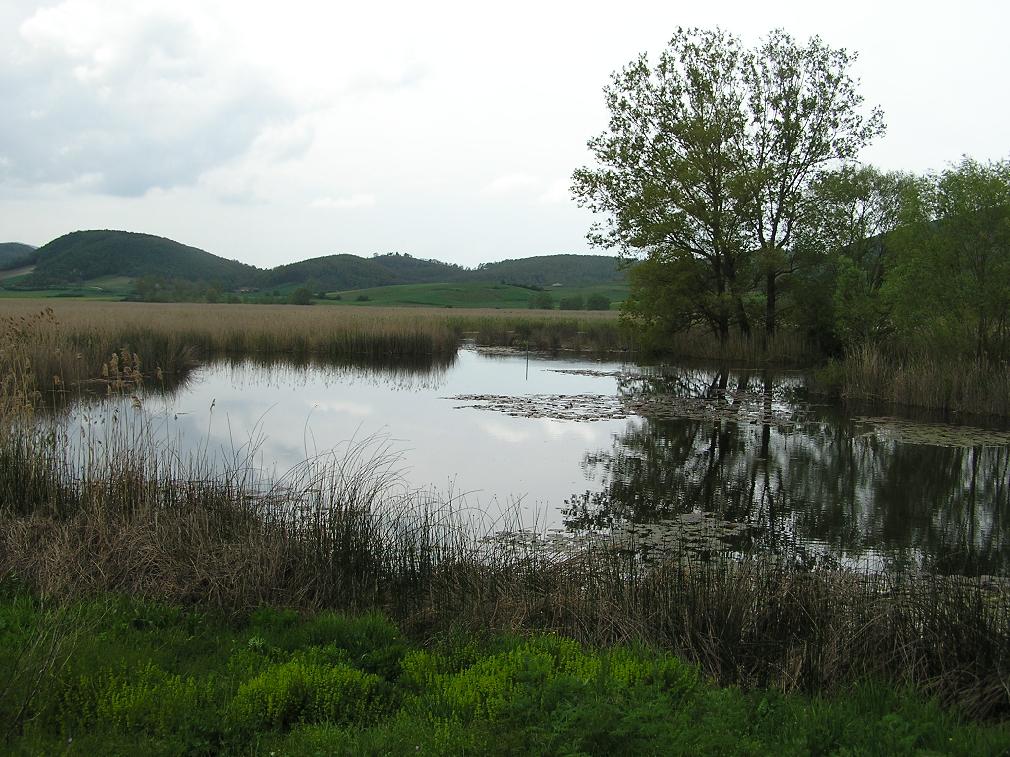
(969,385)
(742,407)
(934,434)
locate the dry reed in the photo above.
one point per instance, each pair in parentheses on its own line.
(968,385)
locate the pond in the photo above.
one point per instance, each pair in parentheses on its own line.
(717,460)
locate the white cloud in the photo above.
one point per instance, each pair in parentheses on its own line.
(356,409)
(509,184)
(136,96)
(503,433)
(557,192)
(356,200)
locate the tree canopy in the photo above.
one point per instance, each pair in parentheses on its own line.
(707,169)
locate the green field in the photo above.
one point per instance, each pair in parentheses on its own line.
(466,295)
(448,295)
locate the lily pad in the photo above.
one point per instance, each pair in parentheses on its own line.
(934,434)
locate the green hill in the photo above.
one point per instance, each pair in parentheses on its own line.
(339,272)
(86,255)
(122,263)
(546,270)
(16,255)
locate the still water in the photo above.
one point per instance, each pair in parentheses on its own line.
(662,453)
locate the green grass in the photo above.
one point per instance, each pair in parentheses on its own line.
(466,295)
(115,676)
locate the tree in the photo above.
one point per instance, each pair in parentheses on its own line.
(950,284)
(300,296)
(541,301)
(844,250)
(803,110)
(572,302)
(706,165)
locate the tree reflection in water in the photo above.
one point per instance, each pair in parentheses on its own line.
(823,489)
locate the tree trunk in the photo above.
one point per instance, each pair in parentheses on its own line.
(770,303)
(741,315)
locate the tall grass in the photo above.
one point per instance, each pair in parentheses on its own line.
(784,348)
(163,330)
(920,379)
(121,513)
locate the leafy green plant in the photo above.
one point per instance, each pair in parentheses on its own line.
(301,691)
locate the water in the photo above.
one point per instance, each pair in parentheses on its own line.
(719,460)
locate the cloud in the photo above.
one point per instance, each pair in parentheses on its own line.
(356,200)
(558,192)
(505,434)
(357,409)
(133,97)
(509,184)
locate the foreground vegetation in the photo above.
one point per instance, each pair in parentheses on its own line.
(113,675)
(114,510)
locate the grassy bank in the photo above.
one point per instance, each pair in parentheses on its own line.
(917,379)
(119,676)
(123,515)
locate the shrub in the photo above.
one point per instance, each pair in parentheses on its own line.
(301,296)
(597,302)
(305,692)
(541,301)
(572,302)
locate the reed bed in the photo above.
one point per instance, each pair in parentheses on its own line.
(70,341)
(784,348)
(121,512)
(919,379)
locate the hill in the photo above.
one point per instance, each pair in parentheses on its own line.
(85,255)
(340,272)
(122,263)
(546,270)
(16,255)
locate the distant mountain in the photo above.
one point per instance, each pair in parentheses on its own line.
(338,272)
(15,255)
(545,270)
(84,255)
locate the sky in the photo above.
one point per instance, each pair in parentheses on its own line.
(274,132)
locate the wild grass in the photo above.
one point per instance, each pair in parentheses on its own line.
(343,532)
(919,379)
(787,347)
(214,330)
(119,512)
(159,678)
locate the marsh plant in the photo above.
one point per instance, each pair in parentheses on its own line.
(125,513)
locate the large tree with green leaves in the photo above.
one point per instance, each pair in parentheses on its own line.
(707,163)
(843,252)
(949,285)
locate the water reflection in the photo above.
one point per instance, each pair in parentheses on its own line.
(820,486)
(735,450)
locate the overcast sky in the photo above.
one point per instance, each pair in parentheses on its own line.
(273,132)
